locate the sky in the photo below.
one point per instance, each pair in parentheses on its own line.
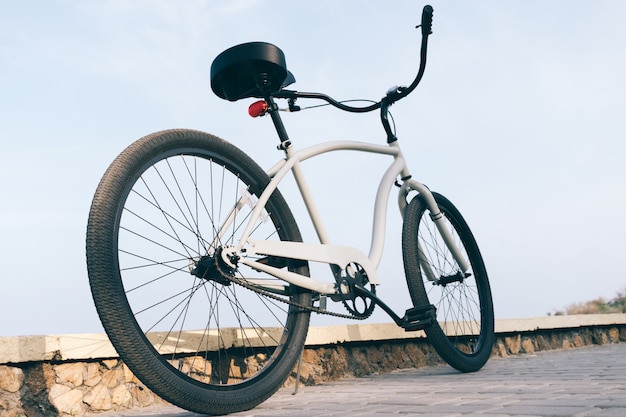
(519,120)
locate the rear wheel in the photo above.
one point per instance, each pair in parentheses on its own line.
(463,333)
(189,327)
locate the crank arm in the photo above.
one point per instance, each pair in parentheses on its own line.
(416,318)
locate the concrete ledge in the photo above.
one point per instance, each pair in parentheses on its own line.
(22,349)
(558,322)
(79,375)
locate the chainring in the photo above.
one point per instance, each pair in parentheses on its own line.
(359,306)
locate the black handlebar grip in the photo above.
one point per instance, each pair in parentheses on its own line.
(427,20)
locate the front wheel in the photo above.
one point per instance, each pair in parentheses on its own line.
(210,341)
(463,333)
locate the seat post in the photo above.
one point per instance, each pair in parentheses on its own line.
(278,123)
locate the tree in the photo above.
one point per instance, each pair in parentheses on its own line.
(597,306)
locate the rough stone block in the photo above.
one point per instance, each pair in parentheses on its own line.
(578,341)
(121,396)
(614,335)
(11,378)
(67,400)
(128,375)
(566,344)
(110,363)
(587,336)
(112,378)
(143,397)
(92,375)
(415,354)
(99,398)
(501,350)
(542,343)
(513,344)
(70,374)
(600,337)
(528,346)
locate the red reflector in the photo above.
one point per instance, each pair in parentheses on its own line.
(258,108)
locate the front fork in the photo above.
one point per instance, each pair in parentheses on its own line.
(438,218)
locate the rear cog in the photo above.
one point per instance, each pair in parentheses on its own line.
(213,268)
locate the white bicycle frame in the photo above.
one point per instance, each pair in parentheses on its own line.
(325,251)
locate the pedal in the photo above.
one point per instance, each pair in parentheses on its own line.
(418,318)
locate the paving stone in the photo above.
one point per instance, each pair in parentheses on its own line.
(588,381)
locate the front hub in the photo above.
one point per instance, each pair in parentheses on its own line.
(449,279)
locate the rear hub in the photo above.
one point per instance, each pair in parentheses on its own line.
(213,268)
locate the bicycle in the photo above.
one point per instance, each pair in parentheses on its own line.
(199,273)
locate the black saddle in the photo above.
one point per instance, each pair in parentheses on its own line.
(253,69)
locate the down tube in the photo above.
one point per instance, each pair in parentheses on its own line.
(379,226)
(382,195)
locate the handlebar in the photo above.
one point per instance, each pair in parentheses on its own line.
(393,95)
(427,20)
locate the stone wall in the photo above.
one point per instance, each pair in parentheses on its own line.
(355,359)
(77,387)
(70,389)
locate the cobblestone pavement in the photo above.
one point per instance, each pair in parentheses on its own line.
(578,382)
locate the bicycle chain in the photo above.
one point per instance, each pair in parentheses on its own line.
(313,309)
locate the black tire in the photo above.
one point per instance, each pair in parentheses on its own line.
(208,345)
(463,334)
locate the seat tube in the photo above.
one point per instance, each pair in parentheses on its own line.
(306,194)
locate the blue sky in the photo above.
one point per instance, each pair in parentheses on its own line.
(519,120)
